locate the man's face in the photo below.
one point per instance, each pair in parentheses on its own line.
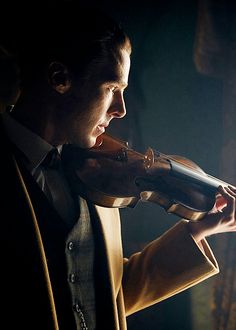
(98,101)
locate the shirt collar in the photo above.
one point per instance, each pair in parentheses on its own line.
(33,146)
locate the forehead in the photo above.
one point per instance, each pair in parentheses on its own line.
(114,68)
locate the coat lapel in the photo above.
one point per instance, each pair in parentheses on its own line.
(110,227)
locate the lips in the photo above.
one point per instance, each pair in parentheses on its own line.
(104,125)
(101,128)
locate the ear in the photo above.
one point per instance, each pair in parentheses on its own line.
(58,76)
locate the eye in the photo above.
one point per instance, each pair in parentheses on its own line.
(112,89)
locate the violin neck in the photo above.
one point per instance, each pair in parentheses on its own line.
(202,179)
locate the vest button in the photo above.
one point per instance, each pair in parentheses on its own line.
(72,278)
(70,246)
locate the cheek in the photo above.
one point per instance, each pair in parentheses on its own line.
(98,110)
(86,115)
(85,122)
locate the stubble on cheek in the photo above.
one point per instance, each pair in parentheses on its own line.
(79,129)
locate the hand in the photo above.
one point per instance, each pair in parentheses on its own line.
(220,219)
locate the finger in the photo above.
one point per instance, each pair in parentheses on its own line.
(227,190)
(232,189)
(220,203)
(230,198)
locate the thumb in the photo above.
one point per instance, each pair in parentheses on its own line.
(220,203)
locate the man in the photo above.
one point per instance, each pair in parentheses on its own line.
(62,262)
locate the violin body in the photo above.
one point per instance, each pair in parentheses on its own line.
(113,175)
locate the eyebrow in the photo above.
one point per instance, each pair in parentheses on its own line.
(116,82)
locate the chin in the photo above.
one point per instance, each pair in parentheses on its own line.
(88,143)
(83,141)
(93,141)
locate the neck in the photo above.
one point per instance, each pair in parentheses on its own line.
(39,120)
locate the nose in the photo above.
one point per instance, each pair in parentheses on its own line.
(117,108)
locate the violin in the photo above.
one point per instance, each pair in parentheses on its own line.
(111,174)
